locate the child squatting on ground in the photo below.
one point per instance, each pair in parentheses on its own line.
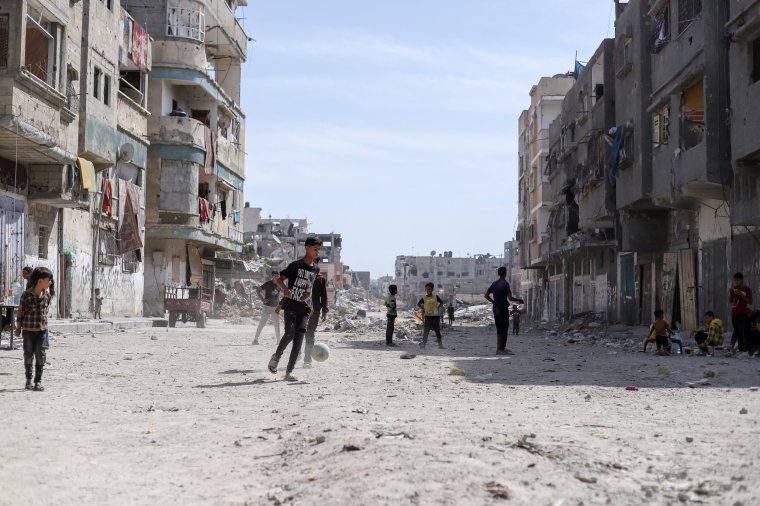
(300,276)
(709,335)
(31,321)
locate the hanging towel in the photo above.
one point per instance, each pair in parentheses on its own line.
(235,217)
(203,209)
(107,197)
(87,170)
(210,160)
(129,228)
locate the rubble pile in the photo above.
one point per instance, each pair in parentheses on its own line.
(591,330)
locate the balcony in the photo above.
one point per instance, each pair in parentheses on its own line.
(130,116)
(226,37)
(230,155)
(180,131)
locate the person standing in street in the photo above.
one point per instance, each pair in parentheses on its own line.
(32,321)
(391,314)
(431,305)
(740,298)
(269,294)
(500,295)
(318,311)
(300,276)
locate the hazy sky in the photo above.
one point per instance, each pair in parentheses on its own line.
(394,123)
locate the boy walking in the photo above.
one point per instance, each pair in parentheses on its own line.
(300,276)
(391,314)
(97,304)
(32,320)
(431,305)
(451,315)
(270,298)
(318,306)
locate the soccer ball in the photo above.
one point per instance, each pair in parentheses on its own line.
(320,352)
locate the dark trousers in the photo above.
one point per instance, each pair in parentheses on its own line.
(501,317)
(701,339)
(432,323)
(741,331)
(663,343)
(34,351)
(515,325)
(389,329)
(295,328)
(311,328)
(451,320)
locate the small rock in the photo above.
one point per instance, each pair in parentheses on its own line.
(408,356)
(709,374)
(153,338)
(689,439)
(320,439)
(743,411)
(497,490)
(238,443)
(585,478)
(351,448)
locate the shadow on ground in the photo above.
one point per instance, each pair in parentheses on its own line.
(550,360)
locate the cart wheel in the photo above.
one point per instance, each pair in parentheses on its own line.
(172,318)
(201,323)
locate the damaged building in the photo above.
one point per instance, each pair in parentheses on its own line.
(654,187)
(73,150)
(453,277)
(195,163)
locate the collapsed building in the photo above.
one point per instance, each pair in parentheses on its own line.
(652,189)
(453,277)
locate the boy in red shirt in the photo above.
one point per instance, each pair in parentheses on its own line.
(740,298)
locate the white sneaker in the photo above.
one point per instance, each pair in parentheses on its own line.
(290,377)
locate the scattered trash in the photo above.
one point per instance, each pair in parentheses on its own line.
(663,371)
(456,372)
(695,384)
(528,445)
(497,490)
(709,373)
(399,435)
(585,478)
(483,377)
(632,388)
(360,411)
(350,448)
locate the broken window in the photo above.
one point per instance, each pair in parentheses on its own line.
(185,19)
(660,29)
(4,38)
(108,3)
(755,50)
(130,262)
(107,90)
(661,126)
(688,11)
(96,80)
(693,115)
(598,91)
(623,55)
(132,83)
(44,50)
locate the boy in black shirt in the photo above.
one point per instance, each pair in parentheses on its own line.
(270,298)
(300,276)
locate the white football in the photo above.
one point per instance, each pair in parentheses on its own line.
(320,352)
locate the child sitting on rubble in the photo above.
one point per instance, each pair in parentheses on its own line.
(709,335)
(660,333)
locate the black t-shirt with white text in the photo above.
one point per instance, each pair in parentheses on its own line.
(301,278)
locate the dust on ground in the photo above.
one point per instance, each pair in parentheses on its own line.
(192,416)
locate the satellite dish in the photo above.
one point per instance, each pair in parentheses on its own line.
(126,152)
(432,253)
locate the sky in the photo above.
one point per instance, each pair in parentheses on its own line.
(394,123)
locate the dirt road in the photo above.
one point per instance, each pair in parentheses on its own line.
(190,416)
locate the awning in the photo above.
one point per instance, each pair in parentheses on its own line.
(87,170)
(98,162)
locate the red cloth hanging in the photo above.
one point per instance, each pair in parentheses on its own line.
(203,209)
(107,197)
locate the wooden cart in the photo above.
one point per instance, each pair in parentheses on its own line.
(188,304)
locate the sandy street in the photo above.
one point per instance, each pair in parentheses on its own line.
(191,416)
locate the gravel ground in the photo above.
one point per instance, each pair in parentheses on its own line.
(192,416)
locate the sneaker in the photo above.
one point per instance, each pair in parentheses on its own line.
(38,387)
(500,352)
(272,366)
(392,345)
(307,365)
(290,377)
(28,385)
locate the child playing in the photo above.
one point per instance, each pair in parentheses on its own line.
(300,276)
(392,313)
(515,313)
(97,304)
(32,320)
(710,335)
(661,332)
(430,305)
(451,315)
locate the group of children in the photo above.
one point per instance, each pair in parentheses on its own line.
(746,325)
